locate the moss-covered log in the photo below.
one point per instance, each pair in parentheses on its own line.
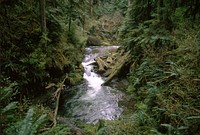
(124,60)
(101,64)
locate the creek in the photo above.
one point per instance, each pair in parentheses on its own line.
(91,101)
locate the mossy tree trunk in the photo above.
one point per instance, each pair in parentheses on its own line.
(91,8)
(43,16)
(196,9)
(159,10)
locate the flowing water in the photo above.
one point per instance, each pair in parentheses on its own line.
(93,101)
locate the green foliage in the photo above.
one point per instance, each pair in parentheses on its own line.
(58,130)
(12,122)
(111,6)
(168,90)
(118,127)
(169,99)
(28,126)
(7,106)
(10,119)
(33,59)
(8,92)
(164,76)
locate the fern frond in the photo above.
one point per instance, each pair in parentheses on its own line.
(37,123)
(9,107)
(26,123)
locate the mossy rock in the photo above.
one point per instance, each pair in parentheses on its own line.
(93,41)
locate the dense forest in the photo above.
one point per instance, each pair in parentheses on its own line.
(42,47)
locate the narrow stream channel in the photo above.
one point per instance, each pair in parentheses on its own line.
(93,101)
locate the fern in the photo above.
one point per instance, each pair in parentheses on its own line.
(7,92)
(38,123)
(9,107)
(59,129)
(25,127)
(28,126)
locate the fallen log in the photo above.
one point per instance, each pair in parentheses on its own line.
(125,59)
(109,60)
(101,64)
(107,73)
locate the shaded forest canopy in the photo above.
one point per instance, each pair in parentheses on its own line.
(42,44)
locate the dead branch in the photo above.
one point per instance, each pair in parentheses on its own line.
(56,95)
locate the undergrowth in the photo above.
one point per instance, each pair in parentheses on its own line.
(165,84)
(30,60)
(164,76)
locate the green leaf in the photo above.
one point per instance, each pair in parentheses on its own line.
(26,123)
(38,123)
(7,92)
(182,128)
(193,117)
(9,107)
(167,126)
(76,1)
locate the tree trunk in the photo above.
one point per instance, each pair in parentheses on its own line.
(70,21)
(173,4)
(43,16)
(149,8)
(159,10)
(70,16)
(91,8)
(196,9)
